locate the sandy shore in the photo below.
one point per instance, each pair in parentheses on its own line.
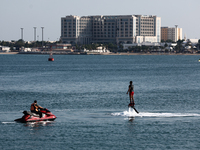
(8,53)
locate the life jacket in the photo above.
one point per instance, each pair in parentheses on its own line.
(34,107)
(131,88)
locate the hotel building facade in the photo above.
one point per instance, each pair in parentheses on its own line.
(110,29)
(173,33)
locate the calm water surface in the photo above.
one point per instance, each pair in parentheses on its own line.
(88,95)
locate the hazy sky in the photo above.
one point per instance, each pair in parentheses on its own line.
(16,14)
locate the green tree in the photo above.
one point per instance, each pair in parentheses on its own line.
(20,43)
(165,45)
(179,46)
(198,45)
(169,41)
(145,48)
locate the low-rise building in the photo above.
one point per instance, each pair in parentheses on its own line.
(126,46)
(57,47)
(194,41)
(25,49)
(4,49)
(98,50)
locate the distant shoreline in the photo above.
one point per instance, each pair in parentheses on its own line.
(7,53)
(151,54)
(10,53)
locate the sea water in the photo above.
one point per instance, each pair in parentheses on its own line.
(87,93)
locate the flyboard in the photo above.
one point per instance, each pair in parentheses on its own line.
(132,106)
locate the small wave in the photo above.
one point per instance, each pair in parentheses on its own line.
(61,110)
(8,122)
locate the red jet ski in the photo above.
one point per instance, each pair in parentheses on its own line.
(32,117)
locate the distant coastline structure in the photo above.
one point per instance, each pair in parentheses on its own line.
(22,33)
(34,33)
(171,33)
(42,36)
(125,29)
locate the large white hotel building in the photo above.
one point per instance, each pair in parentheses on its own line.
(110,29)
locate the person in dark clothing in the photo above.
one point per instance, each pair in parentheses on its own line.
(35,108)
(131,92)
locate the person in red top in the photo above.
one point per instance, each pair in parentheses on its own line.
(131,92)
(35,108)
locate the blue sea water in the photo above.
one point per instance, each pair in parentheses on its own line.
(87,93)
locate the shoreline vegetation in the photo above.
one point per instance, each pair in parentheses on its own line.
(181,47)
(111,53)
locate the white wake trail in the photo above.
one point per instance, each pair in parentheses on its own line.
(8,122)
(132,113)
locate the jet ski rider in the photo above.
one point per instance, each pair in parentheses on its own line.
(35,108)
(131,92)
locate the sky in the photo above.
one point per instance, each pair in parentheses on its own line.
(26,14)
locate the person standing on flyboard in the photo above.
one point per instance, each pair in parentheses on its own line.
(131,92)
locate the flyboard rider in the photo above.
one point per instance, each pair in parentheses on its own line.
(35,108)
(131,92)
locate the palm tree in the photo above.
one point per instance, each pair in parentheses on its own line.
(165,45)
(198,44)
(179,46)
